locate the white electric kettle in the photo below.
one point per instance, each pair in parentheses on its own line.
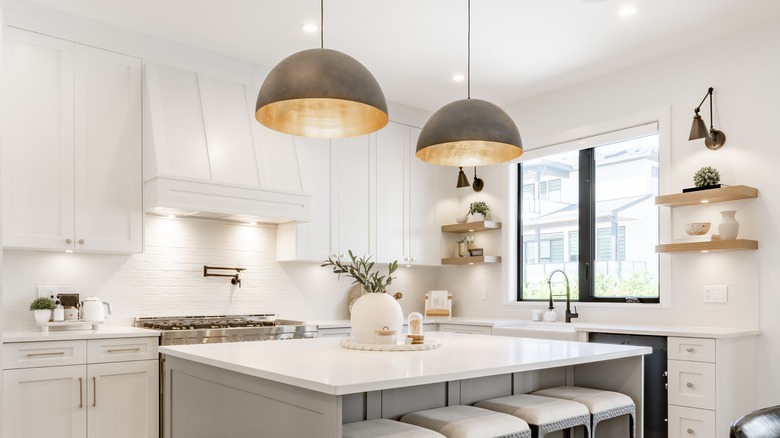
(92,309)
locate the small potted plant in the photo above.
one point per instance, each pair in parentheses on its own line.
(479,210)
(465,242)
(42,308)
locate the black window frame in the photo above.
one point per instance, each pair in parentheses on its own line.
(587,232)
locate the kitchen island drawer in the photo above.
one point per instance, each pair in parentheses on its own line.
(692,384)
(43,354)
(121,349)
(691,423)
(696,349)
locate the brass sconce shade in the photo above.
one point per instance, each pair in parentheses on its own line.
(321,93)
(713,138)
(469,132)
(463,180)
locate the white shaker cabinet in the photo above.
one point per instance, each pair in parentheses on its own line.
(406,200)
(81,388)
(337,174)
(71,147)
(710,384)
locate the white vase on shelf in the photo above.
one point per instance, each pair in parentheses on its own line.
(375,311)
(728,227)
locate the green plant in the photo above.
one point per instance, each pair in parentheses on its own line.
(360,270)
(706,176)
(42,303)
(478,207)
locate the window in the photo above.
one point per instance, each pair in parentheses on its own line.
(591,212)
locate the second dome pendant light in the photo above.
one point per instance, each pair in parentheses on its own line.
(469,132)
(321,93)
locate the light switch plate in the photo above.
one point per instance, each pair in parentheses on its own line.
(715,294)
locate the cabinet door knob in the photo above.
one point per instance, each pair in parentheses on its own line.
(68,241)
(690,431)
(689,349)
(689,385)
(81,241)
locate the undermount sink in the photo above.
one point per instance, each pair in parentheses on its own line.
(541,330)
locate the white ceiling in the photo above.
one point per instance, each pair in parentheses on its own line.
(520,48)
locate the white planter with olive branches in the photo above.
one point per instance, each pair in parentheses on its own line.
(375,310)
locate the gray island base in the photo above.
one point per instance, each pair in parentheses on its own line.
(310,387)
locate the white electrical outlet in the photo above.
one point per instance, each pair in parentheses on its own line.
(48,291)
(715,294)
(484,294)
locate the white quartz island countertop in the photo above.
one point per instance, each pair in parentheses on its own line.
(324,366)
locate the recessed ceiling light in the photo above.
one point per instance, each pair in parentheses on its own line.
(309,27)
(627,11)
(172,216)
(458,77)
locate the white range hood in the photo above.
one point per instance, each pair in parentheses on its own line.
(205,156)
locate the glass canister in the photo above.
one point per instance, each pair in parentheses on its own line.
(415,321)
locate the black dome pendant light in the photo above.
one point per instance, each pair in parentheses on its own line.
(469,132)
(321,93)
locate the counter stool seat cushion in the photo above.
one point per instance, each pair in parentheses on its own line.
(460,421)
(544,414)
(384,428)
(602,404)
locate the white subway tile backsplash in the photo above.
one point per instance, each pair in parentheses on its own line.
(167,278)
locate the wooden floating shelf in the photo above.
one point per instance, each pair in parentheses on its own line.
(471,227)
(712,245)
(729,193)
(471,260)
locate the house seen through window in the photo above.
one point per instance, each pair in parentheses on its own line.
(591,212)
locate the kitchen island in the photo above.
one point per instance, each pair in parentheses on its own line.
(309,387)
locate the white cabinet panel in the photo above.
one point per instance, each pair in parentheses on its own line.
(72,152)
(123,399)
(691,423)
(424,234)
(108,202)
(38,141)
(692,384)
(352,194)
(392,211)
(45,402)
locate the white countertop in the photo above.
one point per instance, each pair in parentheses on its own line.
(70,335)
(630,329)
(323,365)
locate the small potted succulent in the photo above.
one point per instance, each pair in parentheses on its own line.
(42,308)
(479,210)
(706,177)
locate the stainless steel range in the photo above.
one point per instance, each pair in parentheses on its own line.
(184,330)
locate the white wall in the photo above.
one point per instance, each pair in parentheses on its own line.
(743,68)
(167,279)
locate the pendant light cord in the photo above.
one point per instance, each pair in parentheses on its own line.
(468,67)
(322,24)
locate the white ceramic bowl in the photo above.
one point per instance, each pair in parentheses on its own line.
(697,228)
(462,219)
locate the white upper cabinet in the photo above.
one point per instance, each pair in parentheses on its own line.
(205,153)
(71,146)
(337,174)
(406,200)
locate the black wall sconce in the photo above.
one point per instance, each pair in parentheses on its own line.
(713,138)
(463,180)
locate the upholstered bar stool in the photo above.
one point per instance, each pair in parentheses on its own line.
(460,421)
(543,414)
(384,428)
(601,404)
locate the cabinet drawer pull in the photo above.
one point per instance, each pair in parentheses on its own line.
(81,393)
(94,391)
(689,385)
(53,353)
(690,431)
(122,350)
(689,349)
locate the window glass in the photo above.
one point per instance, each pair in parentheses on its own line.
(618,179)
